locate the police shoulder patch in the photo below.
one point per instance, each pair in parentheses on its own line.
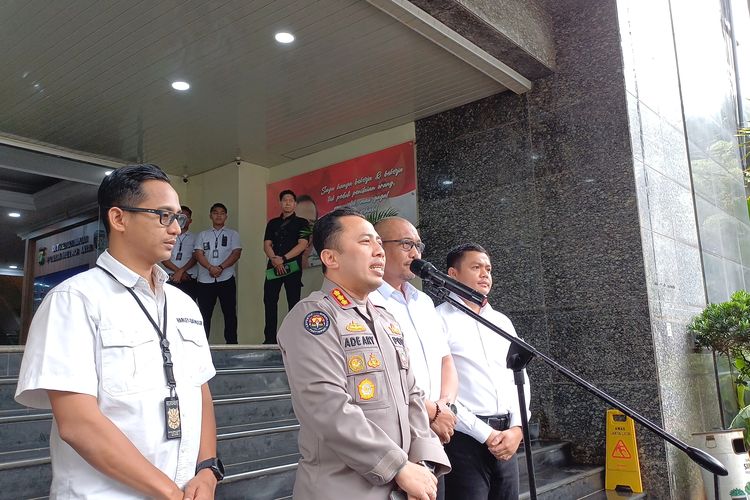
(317,322)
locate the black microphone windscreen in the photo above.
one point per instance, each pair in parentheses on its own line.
(420,267)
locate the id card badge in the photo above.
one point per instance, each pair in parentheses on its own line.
(215,253)
(179,256)
(224,240)
(172,417)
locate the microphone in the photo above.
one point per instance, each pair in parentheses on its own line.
(428,272)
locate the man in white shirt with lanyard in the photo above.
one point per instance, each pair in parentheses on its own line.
(483,449)
(121,359)
(424,334)
(182,263)
(217,250)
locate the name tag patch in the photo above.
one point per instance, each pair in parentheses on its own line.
(352,341)
(190,320)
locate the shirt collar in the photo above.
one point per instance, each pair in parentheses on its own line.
(128,277)
(387,291)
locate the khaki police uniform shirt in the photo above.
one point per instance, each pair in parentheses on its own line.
(361,414)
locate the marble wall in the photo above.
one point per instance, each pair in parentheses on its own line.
(581,192)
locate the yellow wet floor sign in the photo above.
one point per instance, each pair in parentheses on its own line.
(623,468)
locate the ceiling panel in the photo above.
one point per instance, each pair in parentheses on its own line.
(95,76)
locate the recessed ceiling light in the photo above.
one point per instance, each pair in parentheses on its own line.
(284,37)
(107,172)
(447,182)
(180,86)
(14,214)
(12,267)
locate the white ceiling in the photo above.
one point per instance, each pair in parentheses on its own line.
(94,76)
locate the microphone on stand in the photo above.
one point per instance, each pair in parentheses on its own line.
(428,272)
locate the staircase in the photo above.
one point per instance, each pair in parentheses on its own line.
(257,437)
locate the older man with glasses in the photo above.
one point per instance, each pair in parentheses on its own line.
(424,335)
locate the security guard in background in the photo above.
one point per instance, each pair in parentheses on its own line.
(363,425)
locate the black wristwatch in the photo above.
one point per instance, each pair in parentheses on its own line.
(216,466)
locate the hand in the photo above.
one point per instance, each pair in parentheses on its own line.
(417,482)
(175,494)
(280,269)
(277,260)
(505,443)
(214,271)
(178,276)
(201,487)
(445,423)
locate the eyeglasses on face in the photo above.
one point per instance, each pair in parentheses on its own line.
(166,217)
(407,244)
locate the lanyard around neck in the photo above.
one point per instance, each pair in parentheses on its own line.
(161,332)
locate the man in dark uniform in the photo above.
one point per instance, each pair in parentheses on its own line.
(283,244)
(363,425)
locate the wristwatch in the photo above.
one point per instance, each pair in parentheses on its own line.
(216,466)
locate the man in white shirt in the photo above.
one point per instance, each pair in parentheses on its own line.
(424,334)
(127,424)
(182,265)
(217,250)
(488,433)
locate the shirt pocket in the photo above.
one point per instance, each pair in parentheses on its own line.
(369,390)
(131,361)
(193,346)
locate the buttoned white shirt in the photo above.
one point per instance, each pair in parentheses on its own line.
(485,384)
(224,240)
(89,336)
(182,251)
(423,332)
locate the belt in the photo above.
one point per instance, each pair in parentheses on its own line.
(497,422)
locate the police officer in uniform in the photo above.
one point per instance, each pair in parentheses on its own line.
(363,425)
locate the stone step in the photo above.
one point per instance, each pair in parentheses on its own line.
(243,381)
(22,431)
(245,450)
(267,483)
(25,474)
(614,495)
(248,443)
(250,357)
(564,482)
(545,454)
(227,382)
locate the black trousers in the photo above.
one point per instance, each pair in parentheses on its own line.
(190,287)
(271,290)
(477,474)
(226,292)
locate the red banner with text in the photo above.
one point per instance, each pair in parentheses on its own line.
(377,181)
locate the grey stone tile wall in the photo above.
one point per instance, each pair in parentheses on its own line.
(546,183)
(582,192)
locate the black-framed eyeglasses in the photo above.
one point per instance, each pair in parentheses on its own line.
(407,244)
(166,217)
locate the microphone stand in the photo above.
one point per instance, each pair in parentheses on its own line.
(522,353)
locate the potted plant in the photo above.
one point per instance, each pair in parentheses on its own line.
(724,328)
